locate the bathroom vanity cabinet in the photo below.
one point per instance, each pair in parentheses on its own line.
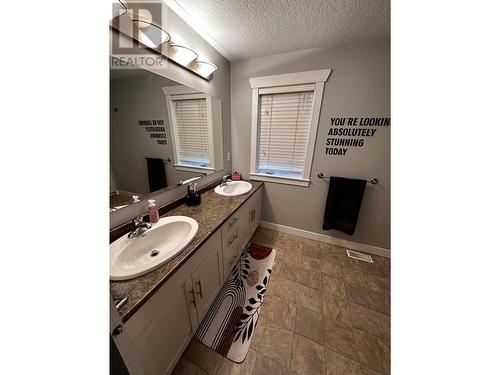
(163,326)
(238,230)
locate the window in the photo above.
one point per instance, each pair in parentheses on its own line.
(191,126)
(284,122)
(285,114)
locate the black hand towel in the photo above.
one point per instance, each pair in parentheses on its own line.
(156,174)
(343,203)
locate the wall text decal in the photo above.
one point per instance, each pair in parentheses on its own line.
(348,132)
(156,128)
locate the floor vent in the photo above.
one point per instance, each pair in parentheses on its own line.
(359,256)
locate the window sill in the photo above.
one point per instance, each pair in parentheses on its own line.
(189,168)
(280,179)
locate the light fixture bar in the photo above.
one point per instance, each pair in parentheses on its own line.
(139,29)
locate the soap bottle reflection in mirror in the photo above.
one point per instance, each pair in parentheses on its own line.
(193,197)
(154,216)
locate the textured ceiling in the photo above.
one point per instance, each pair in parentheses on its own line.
(251,28)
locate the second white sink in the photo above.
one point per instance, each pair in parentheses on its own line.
(136,256)
(234,188)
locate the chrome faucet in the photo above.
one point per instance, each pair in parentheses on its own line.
(225,180)
(140,226)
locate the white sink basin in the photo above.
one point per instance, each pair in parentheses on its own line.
(136,256)
(234,188)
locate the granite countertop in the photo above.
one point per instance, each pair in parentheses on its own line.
(213,211)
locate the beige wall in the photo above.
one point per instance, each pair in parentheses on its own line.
(359,86)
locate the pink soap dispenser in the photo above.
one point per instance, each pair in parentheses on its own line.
(154,216)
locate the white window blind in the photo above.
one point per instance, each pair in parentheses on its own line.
(283,132)
(191,126)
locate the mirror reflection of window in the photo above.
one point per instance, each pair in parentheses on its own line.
(191,128)
(195,120)
(156,144)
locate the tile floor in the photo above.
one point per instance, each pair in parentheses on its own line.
(324,313)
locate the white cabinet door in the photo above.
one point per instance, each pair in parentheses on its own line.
(257,210)
(123,345)
(162,342)
(244,225)
(254,211)
(206,281)
(192,306)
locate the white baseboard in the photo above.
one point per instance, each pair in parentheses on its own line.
(328,239)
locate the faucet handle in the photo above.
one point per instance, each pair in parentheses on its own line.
(138,220)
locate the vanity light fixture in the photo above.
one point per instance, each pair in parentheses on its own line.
(124,8)
(180,54)
(143,25)
(159,43)
(142,19)
(204,68)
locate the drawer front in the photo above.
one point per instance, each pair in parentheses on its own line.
(229,237)
(230,225)
(230,252)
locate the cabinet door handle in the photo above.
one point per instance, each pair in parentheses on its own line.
(230,242)
(200,292)
(118,330)
(120,303)
(193,301)
(235,219)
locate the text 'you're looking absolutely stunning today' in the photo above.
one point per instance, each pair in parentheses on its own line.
(349,132)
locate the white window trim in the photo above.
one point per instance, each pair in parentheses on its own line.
(268,84)
(183,92)
(279,179)
(188,168)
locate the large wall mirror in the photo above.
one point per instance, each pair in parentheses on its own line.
(162,134)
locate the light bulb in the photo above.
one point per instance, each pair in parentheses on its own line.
(143,19)
(204,68)
(182,55)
